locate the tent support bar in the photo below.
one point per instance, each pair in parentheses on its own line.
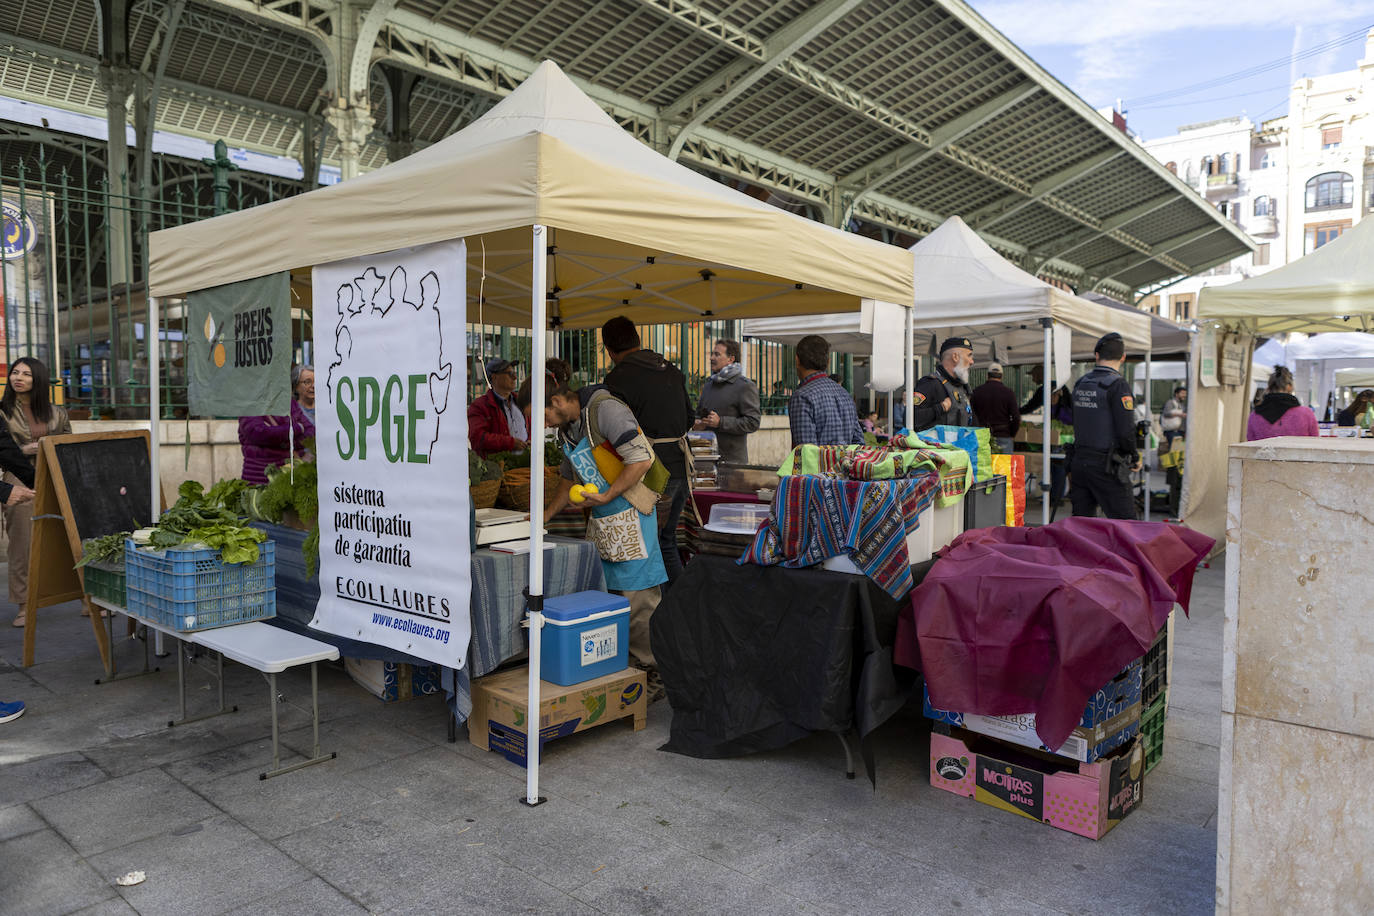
(1047,431)
(155,404)
(1149,418)
(538,305)
(910,365)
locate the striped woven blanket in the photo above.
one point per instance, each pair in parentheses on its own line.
(815,518)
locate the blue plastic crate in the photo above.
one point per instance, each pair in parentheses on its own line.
(194,590)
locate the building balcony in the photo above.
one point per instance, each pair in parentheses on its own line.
(1219,184)
(1264,225)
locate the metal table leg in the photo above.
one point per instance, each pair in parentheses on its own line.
(181,689)
(277,768)
(111,673)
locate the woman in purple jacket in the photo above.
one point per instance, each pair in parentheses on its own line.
(1280,414)
(267,441)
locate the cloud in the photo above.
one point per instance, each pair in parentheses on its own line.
(1112,44)
(1084,23)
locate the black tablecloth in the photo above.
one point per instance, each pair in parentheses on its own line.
(756,657)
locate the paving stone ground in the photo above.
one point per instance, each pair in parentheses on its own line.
(93,785)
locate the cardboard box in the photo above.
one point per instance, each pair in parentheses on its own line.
(1034,434)
(500,701)
(393,681)
(1088,799)
(1110,720)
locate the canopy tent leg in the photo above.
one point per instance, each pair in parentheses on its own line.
(1048,429)
(910,364)
(538,267)
(154,403)
(1149,419)
(891,417)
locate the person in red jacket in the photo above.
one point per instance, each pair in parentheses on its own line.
(495,423)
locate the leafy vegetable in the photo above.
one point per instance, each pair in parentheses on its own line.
(107,550)
(210,518)
(480,469)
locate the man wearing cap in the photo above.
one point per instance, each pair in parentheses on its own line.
(1104,449)
(995,406)
(942,398)
(495,424)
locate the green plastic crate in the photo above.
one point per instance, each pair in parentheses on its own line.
(1152,728)
(106,584)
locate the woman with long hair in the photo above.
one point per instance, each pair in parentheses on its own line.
(28,411)
(1360,412)
(1280,413)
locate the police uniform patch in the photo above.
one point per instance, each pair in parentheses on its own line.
(1127,403)
(917,398)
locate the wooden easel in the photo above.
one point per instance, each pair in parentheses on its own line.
(56,539)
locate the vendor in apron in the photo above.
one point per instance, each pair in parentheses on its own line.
(604,447)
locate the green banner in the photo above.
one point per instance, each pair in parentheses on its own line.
(238,348)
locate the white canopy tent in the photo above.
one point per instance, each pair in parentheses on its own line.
(1355,378)
(966,289)
(1331,289)
(568,220)
(1316,360)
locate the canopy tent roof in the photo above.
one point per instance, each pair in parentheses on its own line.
(1331,289)
(1355,378)
(631,232)
(1165,336)
(965,288)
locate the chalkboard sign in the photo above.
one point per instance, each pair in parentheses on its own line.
(85,486)
(108,483)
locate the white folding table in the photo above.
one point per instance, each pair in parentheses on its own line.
(260,646)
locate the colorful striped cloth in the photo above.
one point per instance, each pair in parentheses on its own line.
(815,518)
(902,458)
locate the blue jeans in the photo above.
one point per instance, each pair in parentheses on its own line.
(669,514)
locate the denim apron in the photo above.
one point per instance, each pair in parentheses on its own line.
(625,538)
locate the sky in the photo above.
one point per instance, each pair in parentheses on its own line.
(1146,49)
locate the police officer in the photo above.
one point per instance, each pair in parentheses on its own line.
(942,397)
(1104,448)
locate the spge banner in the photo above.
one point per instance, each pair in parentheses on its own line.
(238,348)
(391,445)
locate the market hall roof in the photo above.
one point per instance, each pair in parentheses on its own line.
(893,113)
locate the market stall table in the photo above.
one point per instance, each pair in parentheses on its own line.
(756,657)
(260,647)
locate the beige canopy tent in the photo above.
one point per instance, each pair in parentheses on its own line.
(1331,289)
(568,220)
(630,231)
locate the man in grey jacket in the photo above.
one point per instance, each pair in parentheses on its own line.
(729,404)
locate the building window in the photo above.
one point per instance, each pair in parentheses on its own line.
(1225,167)
(1264,206)
(1330,191)
(1209,165)
(1151,304)
(1265,161)
(1260,257)
(1223,207)
(1318,234)
(1331,137)
(1181,307)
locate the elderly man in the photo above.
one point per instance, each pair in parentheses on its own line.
(729,403)
(656,392)
(995,406)
(820,412)
(942,398)
(495,423)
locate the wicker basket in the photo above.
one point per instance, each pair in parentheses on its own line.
(515,488)
(484,494)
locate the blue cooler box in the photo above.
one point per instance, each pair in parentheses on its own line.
(586,635)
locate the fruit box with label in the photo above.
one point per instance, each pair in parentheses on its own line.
(499,702)
(1085,798)
(1110,720)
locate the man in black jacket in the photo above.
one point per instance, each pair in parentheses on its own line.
(12,459)
(656,392)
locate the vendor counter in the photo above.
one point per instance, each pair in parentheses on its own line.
(745,674)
